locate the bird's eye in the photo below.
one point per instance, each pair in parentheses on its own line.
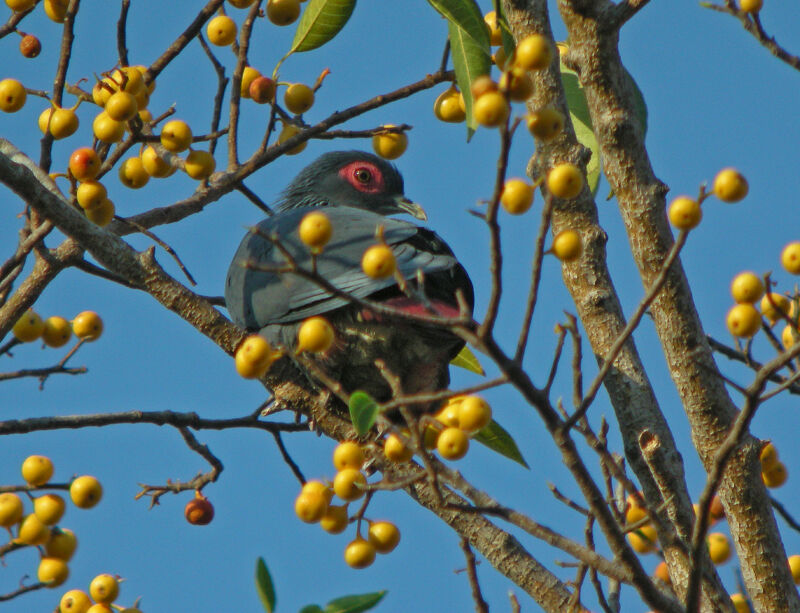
(362,175)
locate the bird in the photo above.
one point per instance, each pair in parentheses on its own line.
(358,192)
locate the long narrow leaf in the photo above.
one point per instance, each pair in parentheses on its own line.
(470,60)
(321,21)
(467,360)
(466,15)
(264,586)
(582,122)
(355,603)
(497,438)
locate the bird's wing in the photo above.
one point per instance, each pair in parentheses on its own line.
(256,297)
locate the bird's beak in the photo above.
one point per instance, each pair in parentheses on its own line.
(412,208)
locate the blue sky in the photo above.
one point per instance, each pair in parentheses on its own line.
(715,99)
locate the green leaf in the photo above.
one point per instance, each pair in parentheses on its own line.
(582,122)
(639,103)
(321,21)
(470,60)
(355,603)
(466,15)
(496,438)
(467,360)
(363,411)
(508,39)
(311,608)
(264,587)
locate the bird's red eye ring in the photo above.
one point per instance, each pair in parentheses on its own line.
(362,175)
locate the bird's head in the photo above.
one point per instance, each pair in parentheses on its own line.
(350,178)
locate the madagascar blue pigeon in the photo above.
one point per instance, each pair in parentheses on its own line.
(357,191)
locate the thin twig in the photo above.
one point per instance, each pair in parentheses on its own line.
(472,573)
(163,245)
(122,27)
(288,458)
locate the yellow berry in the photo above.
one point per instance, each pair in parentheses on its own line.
(453,443)
(747,287)
(12,95)
(474,414)
(29,327)
(52,571)
(49,508)
(794,566)
(254,357)
(221,31)
(635,514)
(348,484)
(750,6)
(37,470)
(517,83)
(743,320)
(200,165)
(286,133)
(775,476)
(56,10)
(448,106)
(491,109)
(63,123)
(85,492)
(11,509)
(396,450)
(495,37)
(130,79)
(662,572)
(155,165)
(517,196)
(482,85)
(249,75)
(730,185)
(315,335)
(685,213)
(176,136)
(378,262)
(768,456)
(91,194)
(74,601)
(121,106)
(132,173)
(20,5)
(533,52)
(62,544)
(335,519)
(565,181)
(390,145)
(84,164)
(448,415)
(106,129)
(774,306)
(283,12)
(384,536)
(359,553)
(102,90)
(32,531)
(87,325)
(567,245)
(790,258)
(545,124)
(348,454)
(643,539)
(719,548)
(100,608)
(101,214)
(789,336)
(241,4)
(298,98)
(739,602)
(315,230)
(319,487)
(310,507)
(104,589)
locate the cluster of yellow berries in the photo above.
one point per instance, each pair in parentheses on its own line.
(103,592)
(773,471)
(459,418)
(729,186)
(56,331)
(39,528)
(643,539)
(744,319)
(313,505)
